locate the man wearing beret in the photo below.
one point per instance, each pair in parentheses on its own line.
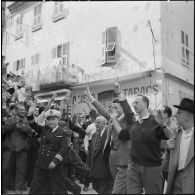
(52,151)
(181,164)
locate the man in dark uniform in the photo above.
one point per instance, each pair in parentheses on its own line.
(52,152)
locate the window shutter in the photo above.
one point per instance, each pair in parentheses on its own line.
(32,60)
(111,44)
(21,18)
(15,66)
(35,11)
(56,8)
(23,62)
(37,59)
(103,56)
(39,9)
(54,52)
(65,53)
(61,7)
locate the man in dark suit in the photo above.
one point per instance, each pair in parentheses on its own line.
(100,173)
(119,154)
(52,152)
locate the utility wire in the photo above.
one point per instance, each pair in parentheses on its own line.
(153,39)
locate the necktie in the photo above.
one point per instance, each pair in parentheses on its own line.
(98,140)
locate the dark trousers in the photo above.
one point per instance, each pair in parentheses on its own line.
(17,161)
(139,177)
(32,158)
(44,177)
(102,185)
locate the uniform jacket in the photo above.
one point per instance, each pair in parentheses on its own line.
(99,159)
(188,172)
(16,138)
(120,154)
(53,146)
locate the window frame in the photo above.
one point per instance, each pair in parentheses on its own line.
(37,11)
(185,51)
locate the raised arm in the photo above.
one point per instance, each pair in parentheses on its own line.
(100,108)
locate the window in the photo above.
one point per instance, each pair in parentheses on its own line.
(61,51)
(37,18)
(35,59)
(109,39)
(19,30)
(59,12)
(19,64)
(185,49)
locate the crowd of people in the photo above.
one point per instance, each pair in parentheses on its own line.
(116,150)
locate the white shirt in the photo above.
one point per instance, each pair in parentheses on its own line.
(54,129)
(41,119)
(184,147)
(91,129)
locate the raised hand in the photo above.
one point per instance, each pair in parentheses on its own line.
(87,92)
(113,113)
(53,97)
(52,165)
(116,86)
(159,118)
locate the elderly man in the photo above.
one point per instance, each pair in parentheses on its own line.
(145,135)
(181,164)
(101,177)
(52,151)
(119,155)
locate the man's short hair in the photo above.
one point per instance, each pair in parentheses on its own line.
(145,99)
(168,111)
(12,106)
(92,113)
(41,109)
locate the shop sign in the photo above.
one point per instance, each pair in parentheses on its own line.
(145,90)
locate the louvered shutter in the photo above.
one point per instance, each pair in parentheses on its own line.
(23,63)
(39,14)
(65,53)
(61,7)
(14,66)
(17,25)
(54,52)
(56,9)
(103,55)
(111,44)
(35,15)
(37,59)
(32,60)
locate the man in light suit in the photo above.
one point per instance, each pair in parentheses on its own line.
(181,164)
(100,173)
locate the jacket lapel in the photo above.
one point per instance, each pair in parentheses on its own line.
(174,155)
(190,154)
(102,141)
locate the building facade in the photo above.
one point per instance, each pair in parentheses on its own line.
(149,46)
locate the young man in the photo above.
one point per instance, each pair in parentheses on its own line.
(181,164)
(53,149)
(145,135)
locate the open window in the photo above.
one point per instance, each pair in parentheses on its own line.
(37,17)
(61,51)
(109,40)
(59,11)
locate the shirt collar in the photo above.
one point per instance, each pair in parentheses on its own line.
(146,116)
(55,128)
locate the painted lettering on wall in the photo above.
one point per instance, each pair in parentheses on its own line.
(80,99)
(142,90)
